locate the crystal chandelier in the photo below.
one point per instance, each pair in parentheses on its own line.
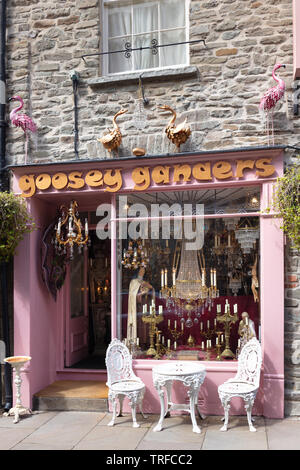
(188,284)
(136,255)
(235,284)
(246,235)
(68,231)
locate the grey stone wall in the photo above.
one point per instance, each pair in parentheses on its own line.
(244,39)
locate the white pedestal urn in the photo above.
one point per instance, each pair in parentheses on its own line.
(16,363)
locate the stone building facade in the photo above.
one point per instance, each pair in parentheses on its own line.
(218,92)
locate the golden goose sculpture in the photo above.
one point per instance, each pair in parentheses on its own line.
(112,140)
(177,134)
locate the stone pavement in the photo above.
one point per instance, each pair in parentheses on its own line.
(79,430)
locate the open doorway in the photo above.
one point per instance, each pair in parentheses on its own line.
(90,297)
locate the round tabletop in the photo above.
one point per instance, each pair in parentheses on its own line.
(179,368)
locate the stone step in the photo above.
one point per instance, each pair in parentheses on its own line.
(72,395)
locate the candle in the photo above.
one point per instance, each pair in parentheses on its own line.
(201,326)
(59,226)
(169,323)
(174,276)
(175,345)
(215,241)
(86,229)
(239,343)
(202,345)
(229,239)
(235,308)
(215,322)
(137,341)
(159,337)
(162,340)
(222,338)
(215,278)
(216,341)
(166,277)
(169,344)
(167,243)
(208,324)
(211,277)
(162,278)
(175,324)
(182,326)
(160,309)
(207,343)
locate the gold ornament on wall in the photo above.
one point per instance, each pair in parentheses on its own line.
(179,134)
(112,140)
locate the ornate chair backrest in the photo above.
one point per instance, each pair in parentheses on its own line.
(249,363)
(118,362)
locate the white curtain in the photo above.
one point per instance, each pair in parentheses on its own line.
(138,24)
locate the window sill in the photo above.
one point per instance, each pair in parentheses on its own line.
(153,75)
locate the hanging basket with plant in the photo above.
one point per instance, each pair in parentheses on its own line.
(15,222)
(286,203)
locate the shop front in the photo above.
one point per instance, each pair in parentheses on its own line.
(183,261)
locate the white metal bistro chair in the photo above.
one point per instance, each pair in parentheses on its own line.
(246,382)
(122,382)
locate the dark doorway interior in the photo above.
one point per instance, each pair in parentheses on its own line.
(99,303)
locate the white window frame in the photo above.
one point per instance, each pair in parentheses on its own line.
(123,3)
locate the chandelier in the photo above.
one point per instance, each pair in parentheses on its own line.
(136,255)
(68,231)
(188,284)
(235,284)
(246,235)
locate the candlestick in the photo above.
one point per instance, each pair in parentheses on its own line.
(227,319)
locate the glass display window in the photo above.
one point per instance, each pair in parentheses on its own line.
(188,273)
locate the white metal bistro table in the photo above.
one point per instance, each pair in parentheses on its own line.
(191,374)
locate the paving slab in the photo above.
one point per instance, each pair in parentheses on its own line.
(234,440)
(283,434)
(126,420)
(33,421)
(111,438)
(9,438)
(177,434)
(65,429)
(237,423)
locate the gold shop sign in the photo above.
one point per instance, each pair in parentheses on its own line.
(112,179)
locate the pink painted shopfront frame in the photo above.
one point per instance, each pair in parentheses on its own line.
(39,323)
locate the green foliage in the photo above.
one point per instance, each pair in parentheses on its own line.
(15,222)
(286,202)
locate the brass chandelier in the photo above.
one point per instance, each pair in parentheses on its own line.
(69,231)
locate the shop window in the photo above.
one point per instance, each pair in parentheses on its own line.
(181,275)
(143,23)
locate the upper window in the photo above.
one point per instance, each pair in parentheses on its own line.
(135,24)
